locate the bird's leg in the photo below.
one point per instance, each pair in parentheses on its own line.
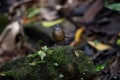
(66,36)
(57,44)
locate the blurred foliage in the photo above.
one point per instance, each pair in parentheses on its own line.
(32,12)
(115,6)
(112,6)
(3,22)
(118,41)
(100,67)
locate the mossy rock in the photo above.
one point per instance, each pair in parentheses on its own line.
(62,63)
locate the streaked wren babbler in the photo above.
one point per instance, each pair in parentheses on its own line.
(58,34)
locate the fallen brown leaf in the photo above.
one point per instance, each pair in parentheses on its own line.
(78,35)
(99,46)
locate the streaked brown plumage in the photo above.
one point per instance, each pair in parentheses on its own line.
(58,34)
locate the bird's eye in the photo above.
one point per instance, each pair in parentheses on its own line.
(57,27)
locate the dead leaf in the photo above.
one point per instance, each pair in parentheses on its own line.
(49,13)
(78,35)
(115,67)
(77,53)
(94,9)
(8,37)
(99,46)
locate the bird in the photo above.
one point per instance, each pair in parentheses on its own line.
(58,34)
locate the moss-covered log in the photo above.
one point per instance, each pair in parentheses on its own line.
(63,63)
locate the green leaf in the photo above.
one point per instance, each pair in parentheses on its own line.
(41,54)
(2,74)
(33,11)
(100,67)
(44,48)
(118,41)
(56,64)
(32,64)
(52,23)
(31,55)
(115,6)
(81,79)
(61,75)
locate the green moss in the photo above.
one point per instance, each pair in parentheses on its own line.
(59,63)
